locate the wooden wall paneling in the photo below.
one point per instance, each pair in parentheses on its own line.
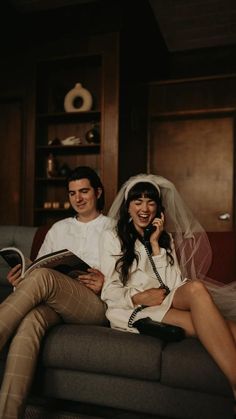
(200,94)
(191,140)
(11,141)
(14,124)
(110,46)
(234,172)
(28,167)
(197,155)
(133,131)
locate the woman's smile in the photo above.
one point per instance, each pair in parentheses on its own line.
(142,211)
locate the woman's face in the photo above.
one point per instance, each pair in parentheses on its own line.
(142,211)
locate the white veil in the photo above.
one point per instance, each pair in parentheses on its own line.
(192,246)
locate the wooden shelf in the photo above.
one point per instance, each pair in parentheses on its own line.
(53,210)
(52,122)
(94,63)
(69,148)
(52,179)
(70,116)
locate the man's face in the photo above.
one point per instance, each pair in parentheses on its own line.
(83,199)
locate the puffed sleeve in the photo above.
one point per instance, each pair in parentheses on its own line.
(114,293)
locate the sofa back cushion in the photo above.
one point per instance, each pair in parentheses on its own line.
(38,240)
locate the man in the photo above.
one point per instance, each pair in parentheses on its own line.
(46,297)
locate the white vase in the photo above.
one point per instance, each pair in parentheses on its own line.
(78,92)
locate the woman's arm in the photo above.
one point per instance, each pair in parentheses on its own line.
(150,297)
(114,293)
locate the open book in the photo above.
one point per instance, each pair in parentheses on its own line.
(63,261)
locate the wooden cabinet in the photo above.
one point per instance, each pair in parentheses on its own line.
(55,77)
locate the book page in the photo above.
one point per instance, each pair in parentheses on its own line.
(63,261)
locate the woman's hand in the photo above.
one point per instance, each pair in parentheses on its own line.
(93,280)
(14,275)
(151,297)
(159,224)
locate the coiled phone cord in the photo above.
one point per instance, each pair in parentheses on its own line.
(162,285)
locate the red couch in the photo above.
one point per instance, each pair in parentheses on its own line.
(223,266)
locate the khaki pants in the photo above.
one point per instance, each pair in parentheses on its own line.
(43,299)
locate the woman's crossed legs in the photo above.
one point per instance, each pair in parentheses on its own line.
(194,310)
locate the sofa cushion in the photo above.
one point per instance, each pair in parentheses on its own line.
(100,349)
(187,365)
(17,236)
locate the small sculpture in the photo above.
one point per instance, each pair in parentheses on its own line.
(78,99)
(64,170)
(51,168)
(73,140)
(93,135)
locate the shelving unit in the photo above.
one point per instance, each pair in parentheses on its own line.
(53,125)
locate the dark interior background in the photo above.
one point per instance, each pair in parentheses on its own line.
(167,96)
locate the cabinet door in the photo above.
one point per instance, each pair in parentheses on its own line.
(197,155)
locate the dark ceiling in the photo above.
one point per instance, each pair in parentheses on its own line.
(184,24)
(194,24)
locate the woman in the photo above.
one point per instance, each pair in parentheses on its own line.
(130,281)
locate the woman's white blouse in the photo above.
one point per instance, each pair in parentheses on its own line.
(119,297)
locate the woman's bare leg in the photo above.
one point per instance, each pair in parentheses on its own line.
(205,320)
(232,326)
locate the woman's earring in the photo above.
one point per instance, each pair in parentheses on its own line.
(130,219)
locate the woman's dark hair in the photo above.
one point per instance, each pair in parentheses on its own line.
(127,232)
(85,172)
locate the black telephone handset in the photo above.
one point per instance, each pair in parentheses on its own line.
(146,242)
(150,229)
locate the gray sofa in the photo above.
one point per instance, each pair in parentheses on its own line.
(116,374)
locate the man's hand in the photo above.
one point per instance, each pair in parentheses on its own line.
(93,280)
(151,297)
(14,275)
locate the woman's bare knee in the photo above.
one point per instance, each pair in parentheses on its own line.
(196,287)
(189,293)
